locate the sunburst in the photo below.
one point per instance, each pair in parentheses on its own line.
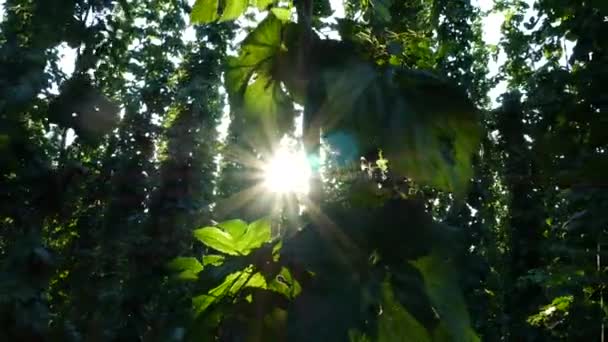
(287,171)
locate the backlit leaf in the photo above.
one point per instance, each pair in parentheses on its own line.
(217,239)
(204,12)
(258,233)
(283,14)
(285,284)
(441,285)
(257,280)
(202,302)
(263,4)
(213,259)
(395,323)
(235,228)
(188,267)
(233,9)
(253,92)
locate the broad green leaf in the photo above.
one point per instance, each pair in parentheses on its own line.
(285,284)
(233,283)
(213,259)
(266,105)
(188,267)
(258,233)
(235,237)
(233,9)
(441,132)
(263,4)
(257,280)
(446,297)
(235,228)
(254,93)
(217,239)
(395,323)
(426,127)
(204,12)
(202,302)
(256,54)
(283,14)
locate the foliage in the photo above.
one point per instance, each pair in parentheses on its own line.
(420,121)
(311,270)
(437,213)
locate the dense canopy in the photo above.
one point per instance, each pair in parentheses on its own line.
(303,170)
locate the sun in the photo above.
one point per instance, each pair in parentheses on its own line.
(287,171)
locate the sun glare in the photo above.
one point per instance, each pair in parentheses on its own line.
(287,172)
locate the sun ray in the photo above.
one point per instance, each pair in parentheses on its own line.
(287,172)
(328,229)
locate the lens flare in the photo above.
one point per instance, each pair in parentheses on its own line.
(287,172)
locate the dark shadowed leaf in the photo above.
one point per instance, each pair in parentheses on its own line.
(441,284)
(427,128)
(395,323)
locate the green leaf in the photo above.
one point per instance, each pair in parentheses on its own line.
(285,284)
(231,284)
(204,12)
(233,9)
(257,281)
(427,128)
(548,314)
(263,4)
(258,233)
(396,323)
(235,228)
(266,105)
(440,136)
(202,302)
(213,260)
(254,93)
(283,14)
(188,267)
(276,251)
(441,283)
(217,239)
(235,237)
(382,10)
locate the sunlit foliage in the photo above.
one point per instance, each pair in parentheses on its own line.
(262,171)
